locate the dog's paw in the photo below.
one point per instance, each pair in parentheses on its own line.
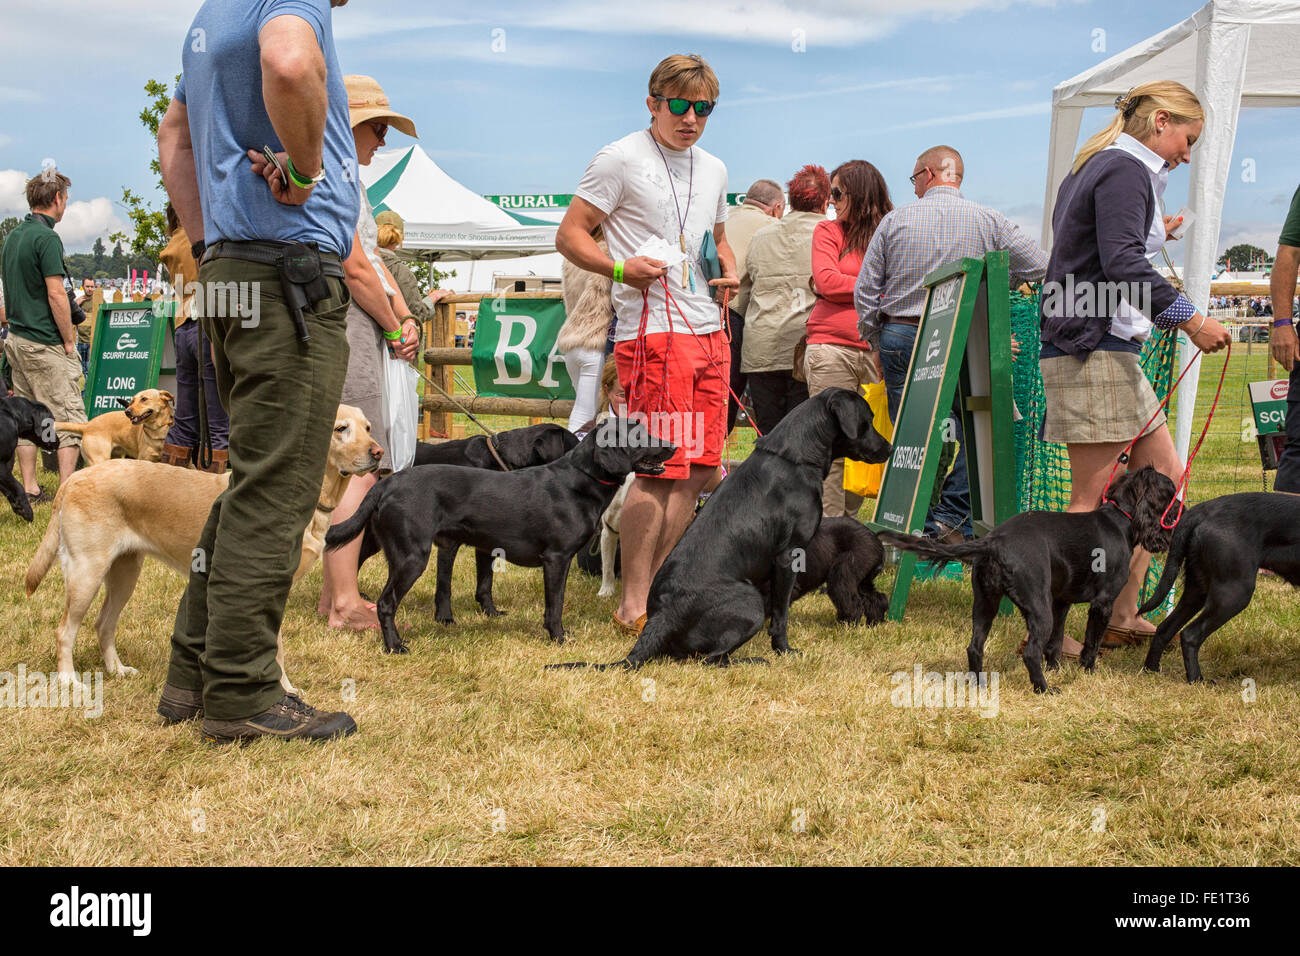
(401,647)
(786,650)
(492,612)
(603,592)
(123,671)
(444,619)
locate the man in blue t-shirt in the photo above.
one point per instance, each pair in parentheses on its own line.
(260,73)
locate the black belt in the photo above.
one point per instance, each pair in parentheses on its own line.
(302,267)
(904,319)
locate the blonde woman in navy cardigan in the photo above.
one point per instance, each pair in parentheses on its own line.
(1102,298)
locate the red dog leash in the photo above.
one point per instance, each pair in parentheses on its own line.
(639,351)
(1180,492)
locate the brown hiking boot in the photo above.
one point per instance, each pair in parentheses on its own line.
(290,718)
(178,704)
(178,455)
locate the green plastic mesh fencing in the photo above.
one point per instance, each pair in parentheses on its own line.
(1043,468)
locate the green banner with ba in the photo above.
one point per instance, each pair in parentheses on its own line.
(514,353)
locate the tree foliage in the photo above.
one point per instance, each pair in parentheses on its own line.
(148,218)
(1244,257)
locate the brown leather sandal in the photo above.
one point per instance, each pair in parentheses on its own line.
(632,630)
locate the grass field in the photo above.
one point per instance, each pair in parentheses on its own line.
(470,752)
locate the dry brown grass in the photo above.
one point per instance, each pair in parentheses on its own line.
(470,752)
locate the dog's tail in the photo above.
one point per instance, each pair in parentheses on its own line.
(49,546)
(342,533)
(76,428)
(1173,564)
(931,550)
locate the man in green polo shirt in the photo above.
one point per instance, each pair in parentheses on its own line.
(1282,284)
(42,345)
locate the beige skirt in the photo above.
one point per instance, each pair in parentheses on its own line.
(363,386)
(1101,397)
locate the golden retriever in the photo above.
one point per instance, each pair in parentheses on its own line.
(107,518)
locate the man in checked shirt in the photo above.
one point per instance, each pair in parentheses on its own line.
(910,242)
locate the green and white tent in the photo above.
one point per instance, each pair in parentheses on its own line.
(443,219)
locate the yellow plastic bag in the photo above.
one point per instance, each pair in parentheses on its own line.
(861,478)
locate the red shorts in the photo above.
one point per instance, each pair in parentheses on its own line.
(684,399)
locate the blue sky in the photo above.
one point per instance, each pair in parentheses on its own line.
(875,79)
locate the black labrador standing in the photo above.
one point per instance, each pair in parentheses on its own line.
(707,598)
(519,448)
(525,447)
(1220,545)
(1045,561)
(531,517)
(22,418)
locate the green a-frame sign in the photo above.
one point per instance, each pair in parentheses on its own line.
(963,341)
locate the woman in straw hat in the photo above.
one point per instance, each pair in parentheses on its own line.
(378,319)
(1102,298)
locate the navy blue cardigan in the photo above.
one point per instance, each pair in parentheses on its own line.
(1101,221)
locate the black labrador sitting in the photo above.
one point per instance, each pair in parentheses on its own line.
(846,556)
(525,447)
(707,598)
(531,517)
(1044,561)
(22,418)
(1220,545)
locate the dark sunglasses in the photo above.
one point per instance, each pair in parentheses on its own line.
(678,106)
(379,129)
(836,193)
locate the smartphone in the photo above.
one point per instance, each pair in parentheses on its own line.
(1187,216)
(274,160)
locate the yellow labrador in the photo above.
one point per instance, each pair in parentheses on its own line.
(137,431)
(106,519)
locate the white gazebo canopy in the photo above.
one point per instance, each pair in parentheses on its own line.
(1232,53)
(445,220)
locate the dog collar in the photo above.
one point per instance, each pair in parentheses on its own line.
(594,478)
(1112,501)
(322,509)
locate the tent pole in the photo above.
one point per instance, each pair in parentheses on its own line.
(1220,77)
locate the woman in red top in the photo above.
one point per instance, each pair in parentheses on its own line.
(836,357)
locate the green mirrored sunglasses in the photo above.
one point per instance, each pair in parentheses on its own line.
(678,106)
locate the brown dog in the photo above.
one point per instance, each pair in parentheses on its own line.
(106,519)
(137,431)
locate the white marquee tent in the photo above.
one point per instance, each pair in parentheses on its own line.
(1232,53)
(443,219)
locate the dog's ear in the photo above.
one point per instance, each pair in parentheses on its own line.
(167,397)
(849,410)
(1146,495)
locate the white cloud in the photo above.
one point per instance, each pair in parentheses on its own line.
(928,84)
(13,195)
(14,94)
(83,222)
(821,22)
(977,116)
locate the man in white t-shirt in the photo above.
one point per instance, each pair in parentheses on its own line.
(661,198)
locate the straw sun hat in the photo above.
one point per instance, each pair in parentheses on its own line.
(368,101)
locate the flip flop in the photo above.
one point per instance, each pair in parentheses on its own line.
(634,629)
